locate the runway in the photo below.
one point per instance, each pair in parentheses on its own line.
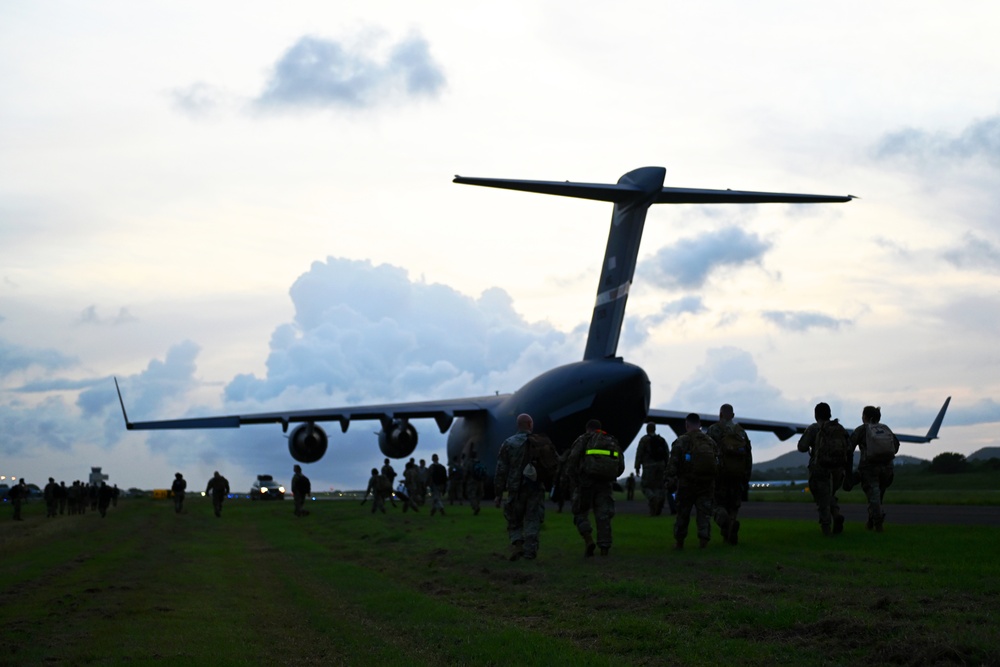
(968,515)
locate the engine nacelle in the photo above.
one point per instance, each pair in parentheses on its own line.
(307,443)
(397,439)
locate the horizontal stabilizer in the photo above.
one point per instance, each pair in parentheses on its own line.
(619,192)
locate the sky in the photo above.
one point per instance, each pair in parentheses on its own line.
(240,207)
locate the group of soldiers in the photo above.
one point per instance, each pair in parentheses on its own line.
(707,470)
(61,499)
(218,490)
(463,481)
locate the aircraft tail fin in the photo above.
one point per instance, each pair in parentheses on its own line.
(632,196)
(932,432)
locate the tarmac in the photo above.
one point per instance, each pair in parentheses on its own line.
(966,515)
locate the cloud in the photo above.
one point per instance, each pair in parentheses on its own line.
(363,332)
(980,140)
(89,315)
(729,375)
(321,73)
(637,328)
(199,100)
(974,253)
(803,320)
(15,358)
(689,263)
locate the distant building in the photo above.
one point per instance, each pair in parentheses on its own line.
(96,477)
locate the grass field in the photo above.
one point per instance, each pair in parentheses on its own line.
(341,586)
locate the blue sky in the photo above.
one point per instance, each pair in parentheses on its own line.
(247,206)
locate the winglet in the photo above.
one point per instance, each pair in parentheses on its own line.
(932,432)
(128,424)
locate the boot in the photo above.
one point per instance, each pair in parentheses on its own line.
(838,524)
(734,533)
(590,546)
(516,549)
(605,550)
(826,529)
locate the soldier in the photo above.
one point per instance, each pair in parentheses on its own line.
(408,487)
(595,462)
(630,487)
(63,496)
(829,452)
(390,474)
(114,495)
(878,446)
(735,463)
(300,489)
(177,489)
(691,471)
(525,506)
(651,457)
(104,494)
(378,485)
(17,494)
(475,474)
(218,487)
(51,496)
(455,483)
(438,478)
(423,481)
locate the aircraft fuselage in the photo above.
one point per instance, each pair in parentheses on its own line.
(560,402)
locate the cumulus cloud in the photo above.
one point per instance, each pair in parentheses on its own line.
(979,140)
(729,375)
(363,332)
(690,262)
(804,320)
(322,73)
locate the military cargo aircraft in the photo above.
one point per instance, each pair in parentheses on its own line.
(602,385)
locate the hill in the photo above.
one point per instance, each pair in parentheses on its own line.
(984,454)
(795,459)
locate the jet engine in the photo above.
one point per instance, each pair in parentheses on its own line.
(397,439)
(307,443)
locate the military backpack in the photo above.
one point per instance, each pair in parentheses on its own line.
(880,444)
(602,458)
(439,474)
(701,457)
(734,450)
(656,448)
(830,448)
(540,453)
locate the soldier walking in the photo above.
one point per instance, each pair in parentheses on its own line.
(828,446)
(735,464)
(651,458)
(525,506)
(177,489)
(878,445)
(51,496)
(691,472)
(218,488)
(301,488)
(438,479)
(595,462)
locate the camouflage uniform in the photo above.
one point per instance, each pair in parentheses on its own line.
(51,495)
(178,488)
(473,487)
(730,484)
(592,494)
(653,475)
(301,487)
(436,473)
(218,486)
(825,480)
(692,492)
(375,485)
(875,477)
(525,506)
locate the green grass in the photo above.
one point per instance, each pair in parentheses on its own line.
(145,586)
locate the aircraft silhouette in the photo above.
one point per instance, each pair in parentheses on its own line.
(563,399)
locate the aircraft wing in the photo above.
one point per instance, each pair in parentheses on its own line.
(623,190)
(784,430)
(443,412)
